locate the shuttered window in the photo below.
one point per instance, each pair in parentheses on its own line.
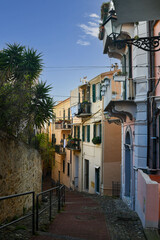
(94,130)
(83,133)
(68,113)
(94,93)
(100,93)
(78,131)
(100,130)
(75,131)
(88,133)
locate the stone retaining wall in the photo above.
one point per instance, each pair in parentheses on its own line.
(20,171)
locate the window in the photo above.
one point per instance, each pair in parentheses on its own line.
(96,92)
(97,130)
(76,131)
(83,133)
(63,114)
(68,169)
(86,133)
(68,113)
(63,166)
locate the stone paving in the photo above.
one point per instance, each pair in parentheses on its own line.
(82,219)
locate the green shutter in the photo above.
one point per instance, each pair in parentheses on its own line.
(100,130)
(94,92)
(78,131)
(75,131)
(100,92)
(94,130)
(88,133)
(83,133)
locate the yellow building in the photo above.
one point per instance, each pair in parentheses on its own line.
(61,129)
(96,164)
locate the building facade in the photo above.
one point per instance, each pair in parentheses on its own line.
(136,109)
(97,163)
(61,129)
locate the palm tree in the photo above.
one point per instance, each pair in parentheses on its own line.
(23,101)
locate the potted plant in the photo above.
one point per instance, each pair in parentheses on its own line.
(96,140)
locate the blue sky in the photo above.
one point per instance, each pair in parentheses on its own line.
(65,32)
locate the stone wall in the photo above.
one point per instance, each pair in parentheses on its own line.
(20,171)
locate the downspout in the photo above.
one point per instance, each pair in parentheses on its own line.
(154,114)
(102,149)
(148,99)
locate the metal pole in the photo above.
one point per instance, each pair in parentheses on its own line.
(59,200)
(64,195)
(33,213)
(50,209)
(37,213)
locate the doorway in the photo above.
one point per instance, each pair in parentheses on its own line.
(97,175)
(76,177)
(86,175)
(127,165)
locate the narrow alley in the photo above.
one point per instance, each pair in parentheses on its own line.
(82,218)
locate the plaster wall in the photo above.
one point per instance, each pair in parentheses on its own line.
(147,200)
(112,156)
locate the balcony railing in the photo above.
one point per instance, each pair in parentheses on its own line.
(73,144)
(63,125)
(84,109)
(60,149)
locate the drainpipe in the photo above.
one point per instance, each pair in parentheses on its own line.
(102,149)
(154,114)
(82,162)
(148,99)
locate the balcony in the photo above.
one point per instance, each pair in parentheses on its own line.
(73,144)
(84,109)
(59,149)
(63,125)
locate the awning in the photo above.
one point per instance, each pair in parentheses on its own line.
(137,10)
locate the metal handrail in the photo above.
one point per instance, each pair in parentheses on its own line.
(61,198)
(24,217)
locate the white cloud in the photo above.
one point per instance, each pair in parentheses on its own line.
(83,43)
(93,24)
(90,30)
(94,15)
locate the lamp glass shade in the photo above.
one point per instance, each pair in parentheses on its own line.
(102,93)
(112,28)
(106,81)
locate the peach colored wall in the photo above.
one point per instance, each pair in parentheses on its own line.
(147,200)
(112,156)
(58,110)
(157,58)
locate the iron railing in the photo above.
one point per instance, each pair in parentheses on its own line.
(60,149)
(84,108)
(24,217)
(60,191)
(73,144)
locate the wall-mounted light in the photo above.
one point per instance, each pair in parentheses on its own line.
(113,30)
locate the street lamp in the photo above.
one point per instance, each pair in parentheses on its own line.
(106,82)
(111,27)
(113,30)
